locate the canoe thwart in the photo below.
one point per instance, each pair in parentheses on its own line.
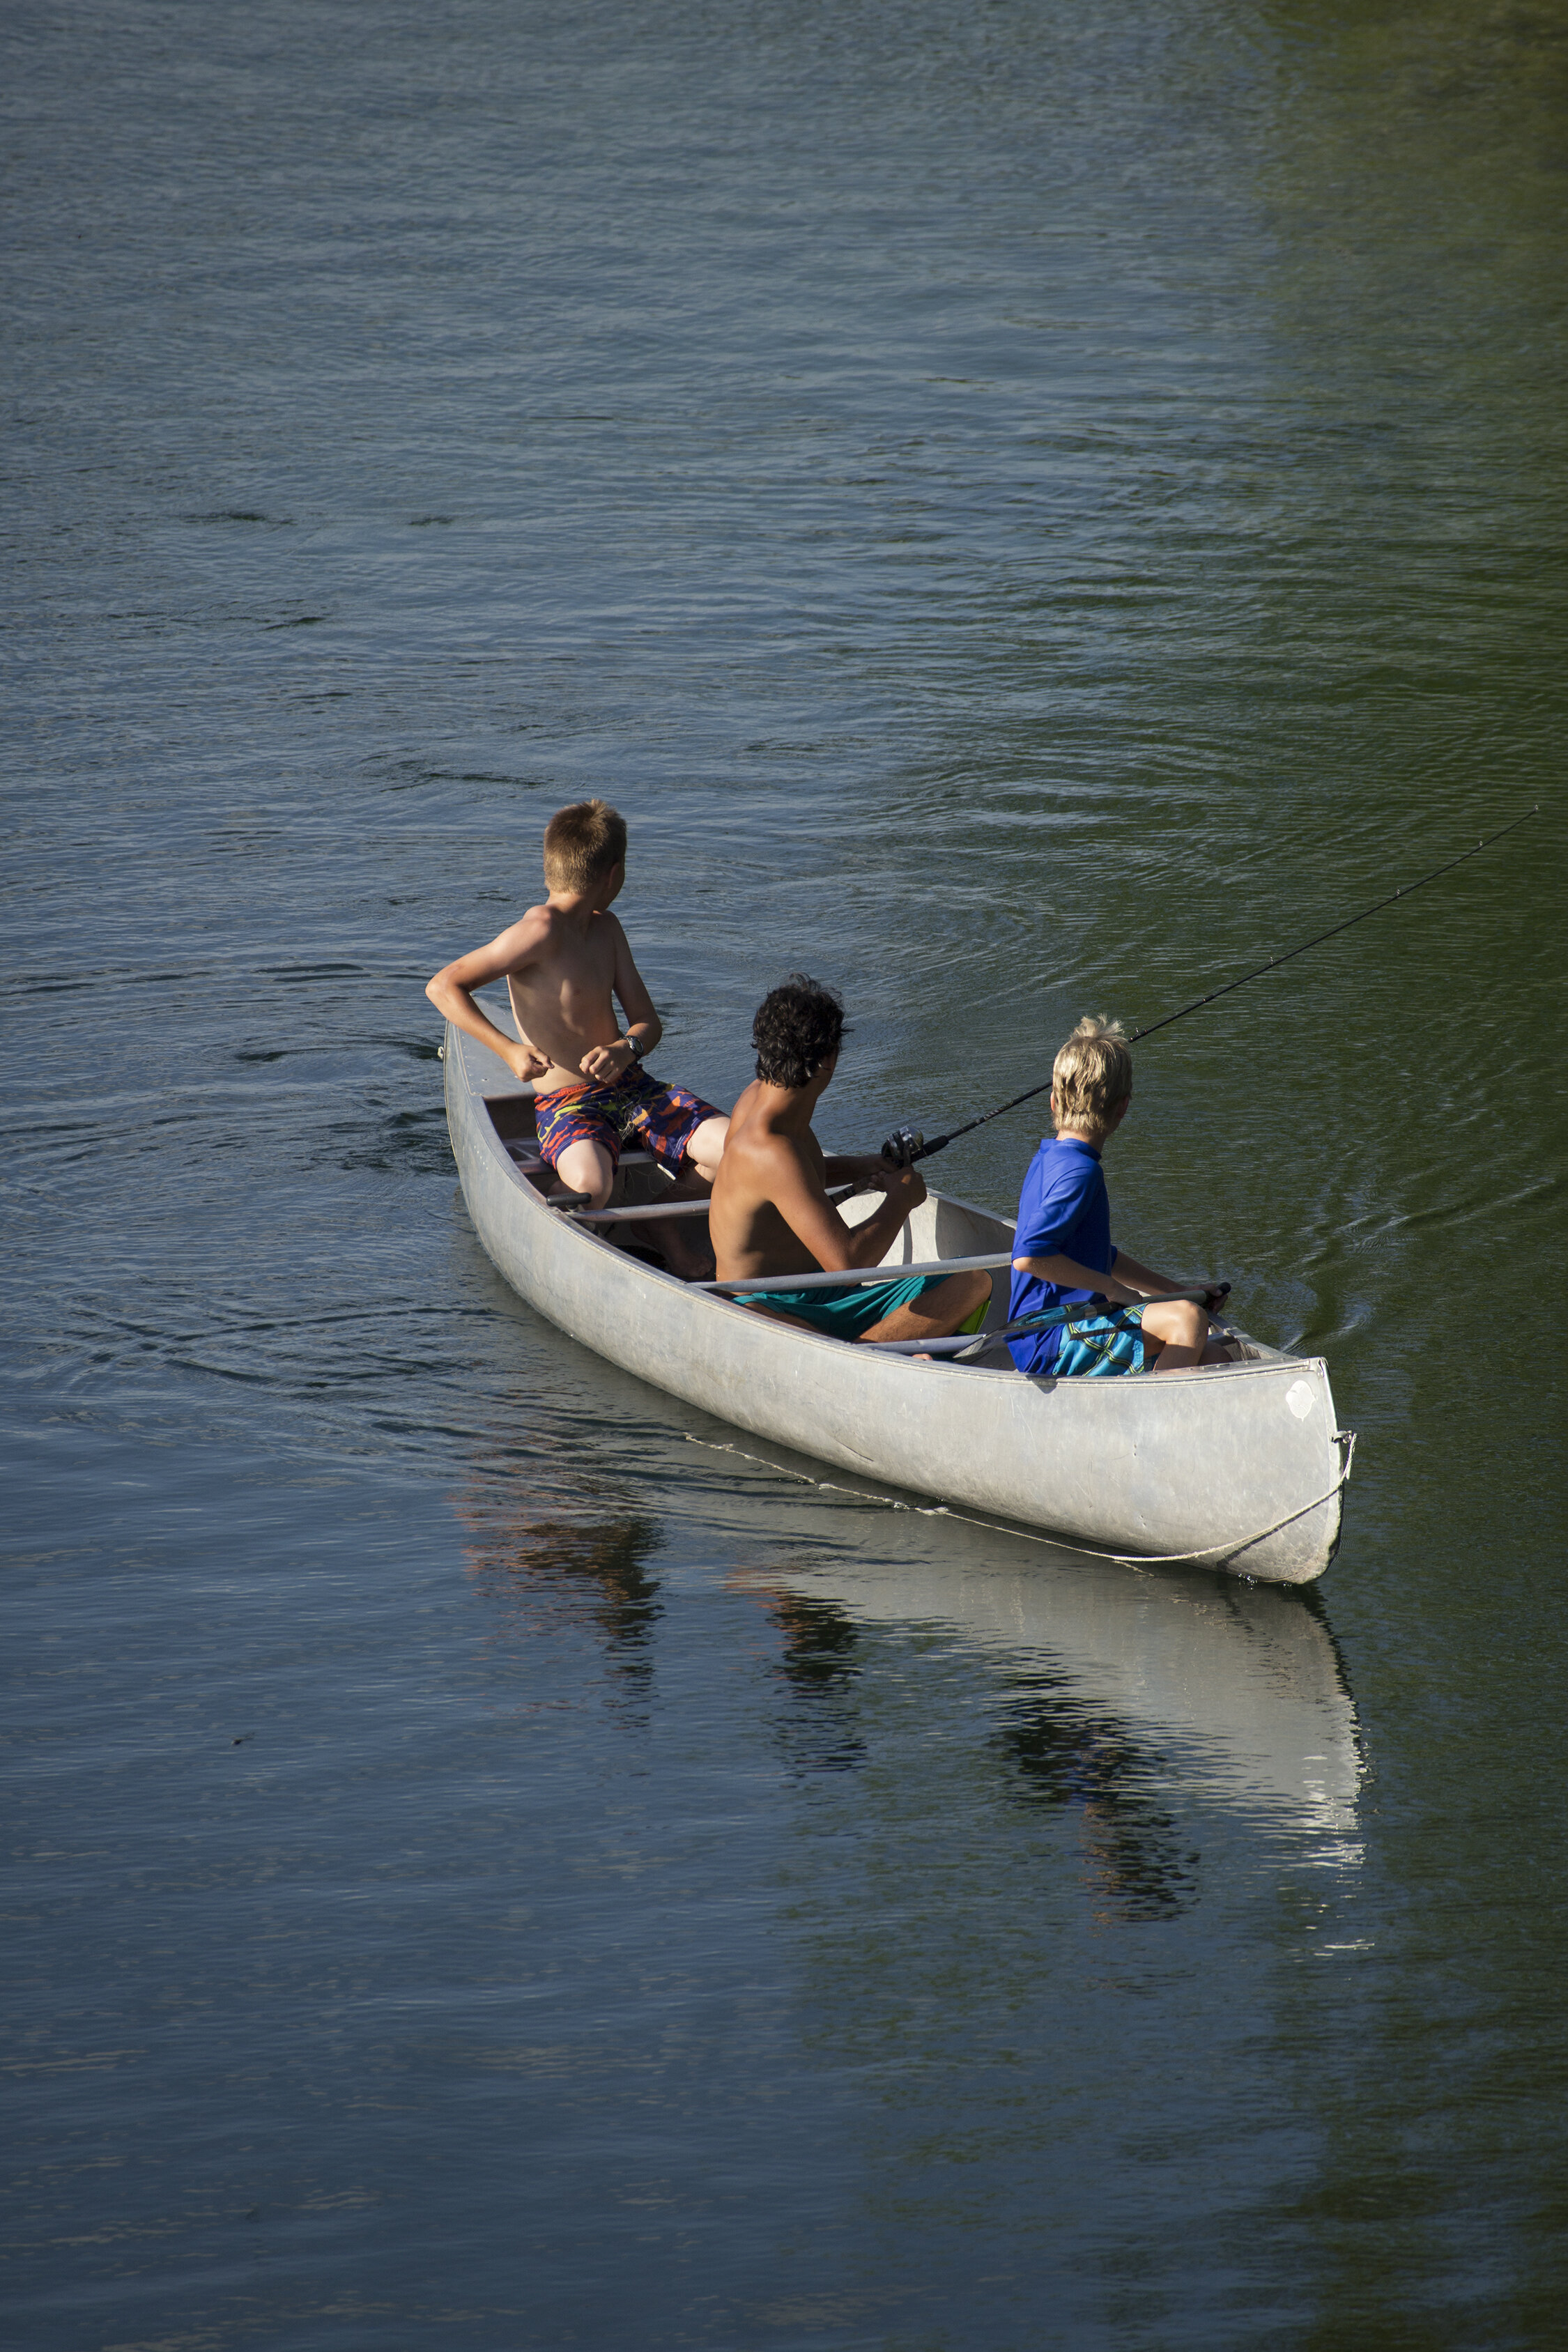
(638,1215)
(853,1277)
(666,1209)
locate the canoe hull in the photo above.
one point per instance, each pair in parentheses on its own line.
(1235,1466)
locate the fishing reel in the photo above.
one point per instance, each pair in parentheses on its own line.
(904,1146)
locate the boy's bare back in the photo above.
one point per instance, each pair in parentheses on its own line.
(771,1204)
(565,964)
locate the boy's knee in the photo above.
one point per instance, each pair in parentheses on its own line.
(586,1168)
(1176,1323)
(706,1148)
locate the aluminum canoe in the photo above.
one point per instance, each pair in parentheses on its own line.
(1239,1465)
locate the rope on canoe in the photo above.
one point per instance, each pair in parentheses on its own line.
(1213,1554)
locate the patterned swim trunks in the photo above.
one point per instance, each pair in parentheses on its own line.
(1093,1344)
(662,1118)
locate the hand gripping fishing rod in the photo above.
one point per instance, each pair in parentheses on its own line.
(906,1144)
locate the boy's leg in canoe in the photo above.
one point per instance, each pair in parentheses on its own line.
(683,1245)
(938,1312)
(586,1167)
(920,1307)
(581,1130)
(1182,1329)
(705,1148)
(686,1135)
(578,1141)
(682,1242)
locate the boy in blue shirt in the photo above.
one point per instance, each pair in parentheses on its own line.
(1063,1246)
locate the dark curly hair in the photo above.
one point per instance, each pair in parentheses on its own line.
(798,1025)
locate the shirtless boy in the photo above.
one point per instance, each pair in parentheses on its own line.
(771,1213)
(1063,1236)
(561,965)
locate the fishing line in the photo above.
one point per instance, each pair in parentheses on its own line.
(906,1146)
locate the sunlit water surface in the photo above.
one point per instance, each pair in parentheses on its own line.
(1027,509)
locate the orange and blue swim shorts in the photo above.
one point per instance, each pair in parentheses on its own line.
(663,1120)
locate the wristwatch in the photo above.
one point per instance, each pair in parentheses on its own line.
(638,1049)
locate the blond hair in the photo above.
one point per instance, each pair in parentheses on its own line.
(1091,1078)
(581,842)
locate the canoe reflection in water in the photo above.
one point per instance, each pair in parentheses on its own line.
(1066,1757)
(819,1667)
(1115,1688)
(560,1573)
(1015,1672)
(1051,1750)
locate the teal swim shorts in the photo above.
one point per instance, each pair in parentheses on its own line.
(845,1311)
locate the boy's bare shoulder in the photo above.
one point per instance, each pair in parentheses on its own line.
(786,1158)
(524,939)
(511,950)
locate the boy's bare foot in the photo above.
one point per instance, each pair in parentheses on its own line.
(681,1242)
(687,1259)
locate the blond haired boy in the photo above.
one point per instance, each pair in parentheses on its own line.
(563,964)
(1063,1250)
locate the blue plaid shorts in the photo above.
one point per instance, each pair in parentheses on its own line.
(1102,1344)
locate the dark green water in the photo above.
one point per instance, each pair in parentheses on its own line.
(1027,509)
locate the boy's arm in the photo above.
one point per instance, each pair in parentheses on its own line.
(452,991)
(1067,1275)
(1152,1284)
(866,1168)
(799,1196)
(1131,1285)
(607,1062)
(1141,1278)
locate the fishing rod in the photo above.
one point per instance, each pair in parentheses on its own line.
(906,1145)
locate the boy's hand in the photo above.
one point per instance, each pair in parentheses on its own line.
(524,1062)
(905,1187)
(1215,1296)
(866,1168)
(607,1062)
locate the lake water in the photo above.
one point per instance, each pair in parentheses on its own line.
(1028,508)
